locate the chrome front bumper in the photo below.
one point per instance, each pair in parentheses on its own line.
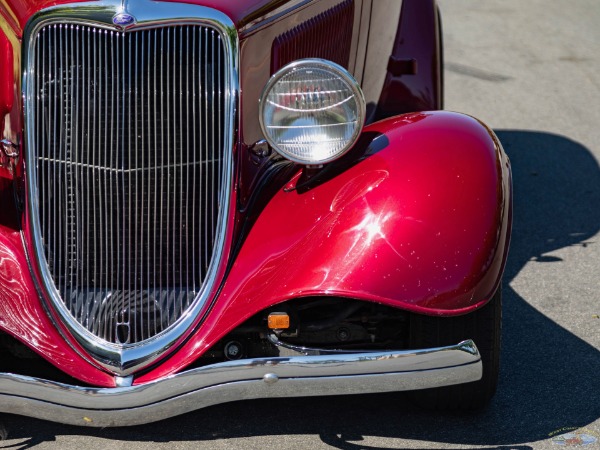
(298,376)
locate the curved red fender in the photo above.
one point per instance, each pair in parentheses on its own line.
(422,223)
(23,316)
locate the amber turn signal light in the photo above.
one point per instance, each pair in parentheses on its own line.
(278,321)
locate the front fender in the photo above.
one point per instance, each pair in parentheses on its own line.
(418,217)
(421,222)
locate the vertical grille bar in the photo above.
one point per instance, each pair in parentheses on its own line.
(206,137)
(128,146)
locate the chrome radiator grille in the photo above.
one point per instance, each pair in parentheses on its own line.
(127,154)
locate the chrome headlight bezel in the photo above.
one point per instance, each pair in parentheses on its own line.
(356,98)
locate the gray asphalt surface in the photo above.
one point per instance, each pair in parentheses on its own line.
(531,71)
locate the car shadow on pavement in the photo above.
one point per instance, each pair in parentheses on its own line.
(549,376)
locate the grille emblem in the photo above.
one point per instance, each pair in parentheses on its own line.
(123,20)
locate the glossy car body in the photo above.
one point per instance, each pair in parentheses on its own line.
(414,219)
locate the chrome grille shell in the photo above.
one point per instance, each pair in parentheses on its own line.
(98,304)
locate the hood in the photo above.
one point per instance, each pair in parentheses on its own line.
(241,12)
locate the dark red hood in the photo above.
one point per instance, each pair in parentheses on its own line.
(241,12)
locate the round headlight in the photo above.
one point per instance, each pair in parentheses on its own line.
(312,111)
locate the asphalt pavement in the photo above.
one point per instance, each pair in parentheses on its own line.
(531,70)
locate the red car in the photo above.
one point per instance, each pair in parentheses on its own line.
(205,201)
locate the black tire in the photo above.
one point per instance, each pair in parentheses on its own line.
(484,327)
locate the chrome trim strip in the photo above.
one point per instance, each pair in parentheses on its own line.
(265,20)
(125,359)
(300,376)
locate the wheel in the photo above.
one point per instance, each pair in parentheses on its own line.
(484,327)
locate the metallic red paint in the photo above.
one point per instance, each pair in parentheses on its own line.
(23,316)
(6,77)
(18,12)
(44,336)
(246,13)
(417,39)
(432,205)
(241,12)
(421,224)
(7,97)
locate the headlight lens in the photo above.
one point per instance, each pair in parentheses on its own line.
(312,111)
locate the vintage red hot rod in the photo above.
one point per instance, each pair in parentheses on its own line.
(211,200)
